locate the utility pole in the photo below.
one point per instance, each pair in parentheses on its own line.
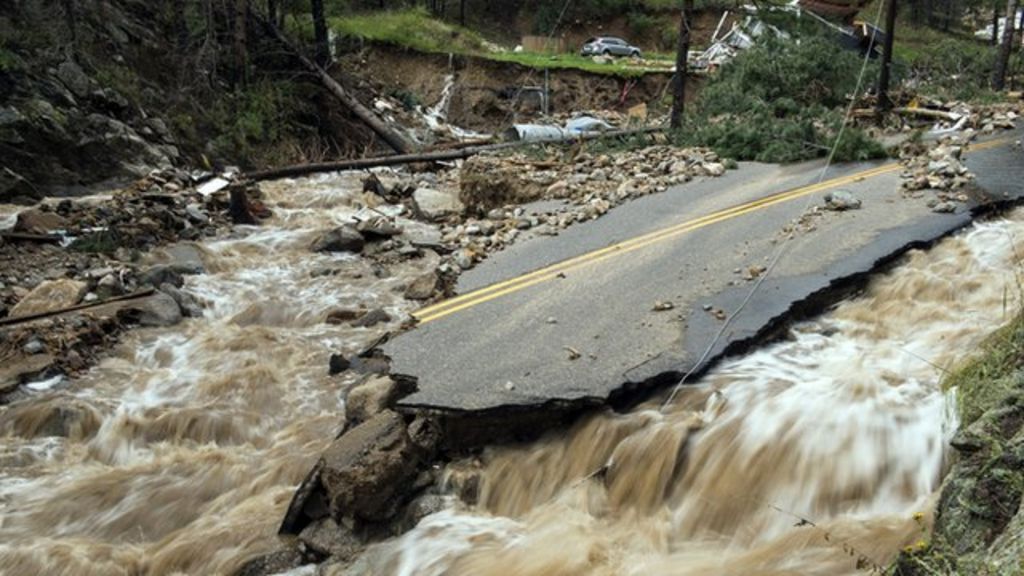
(679,80)
(884,103)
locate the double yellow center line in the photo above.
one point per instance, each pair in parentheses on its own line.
(488,293)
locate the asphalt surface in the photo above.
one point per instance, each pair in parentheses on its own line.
(571,319)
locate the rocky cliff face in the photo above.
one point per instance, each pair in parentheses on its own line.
(65,124)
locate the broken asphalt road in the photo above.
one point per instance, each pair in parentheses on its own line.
(572,320)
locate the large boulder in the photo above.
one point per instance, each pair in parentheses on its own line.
(35,221)
(841,200)
(159,309)
(436,204)
(325,537)
(342,239)
(187,303)
(54,416)
(422,287)
(369,469)
(49,296)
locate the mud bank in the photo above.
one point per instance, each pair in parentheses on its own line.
(488,94)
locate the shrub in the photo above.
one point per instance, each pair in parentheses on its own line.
(781,101)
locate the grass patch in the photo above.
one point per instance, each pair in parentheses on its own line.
(982,382)
(619,67)
(415,29)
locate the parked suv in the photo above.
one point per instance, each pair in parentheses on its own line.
(609,46)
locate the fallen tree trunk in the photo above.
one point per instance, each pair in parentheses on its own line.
(928,113)
(436,156)
(392,138)
(12,320)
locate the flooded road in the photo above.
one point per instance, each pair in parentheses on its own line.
(820,454)
(179,454)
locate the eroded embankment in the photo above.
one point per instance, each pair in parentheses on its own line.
(820,453)
(488,94)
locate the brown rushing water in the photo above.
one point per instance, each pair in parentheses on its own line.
(820,454)
(187,443)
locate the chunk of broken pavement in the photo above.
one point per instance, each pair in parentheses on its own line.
(49,296)
(344,238)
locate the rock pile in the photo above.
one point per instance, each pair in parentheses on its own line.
(491,188)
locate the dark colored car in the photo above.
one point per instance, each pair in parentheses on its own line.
(609,46)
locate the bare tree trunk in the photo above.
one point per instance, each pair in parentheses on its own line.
(884,102)
(682,54)
(323,50)
(995,24)
(462,12)
(240,42)
(272,10)
(1003,58)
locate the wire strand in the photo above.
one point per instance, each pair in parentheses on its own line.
(784,246)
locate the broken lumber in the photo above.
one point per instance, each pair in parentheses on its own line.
(929,113)
(438,156)
(392,138)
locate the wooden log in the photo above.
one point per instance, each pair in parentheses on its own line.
(928,113)
(77,307)
(392,138)
(438,156)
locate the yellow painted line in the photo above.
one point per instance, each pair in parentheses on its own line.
(488,293)
(990,144)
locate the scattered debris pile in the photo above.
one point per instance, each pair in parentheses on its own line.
(938,165)
(492,187)
(77,272)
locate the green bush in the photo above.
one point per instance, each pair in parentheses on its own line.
(781,101)
(251,119)
(641,24)
(950,69)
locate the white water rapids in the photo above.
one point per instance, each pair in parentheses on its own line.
(186,444)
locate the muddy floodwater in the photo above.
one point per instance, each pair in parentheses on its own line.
(819,454)
(179,453)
